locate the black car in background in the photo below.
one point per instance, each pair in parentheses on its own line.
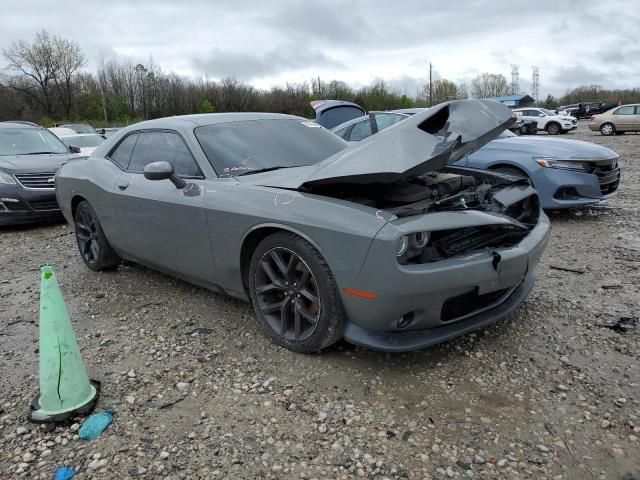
(29,158)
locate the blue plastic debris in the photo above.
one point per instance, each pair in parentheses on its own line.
(95,425)
(65,473)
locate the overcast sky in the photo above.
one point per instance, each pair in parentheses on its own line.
(273,41)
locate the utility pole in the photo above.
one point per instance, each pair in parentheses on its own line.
(430,86)
(515,77)
(535,83)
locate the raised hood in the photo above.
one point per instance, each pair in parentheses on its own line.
(426,142)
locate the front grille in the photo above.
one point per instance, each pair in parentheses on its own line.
(468,303)
(36,180)
(41,205)
(608,174)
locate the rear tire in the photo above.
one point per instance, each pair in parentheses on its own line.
(294,294)
(607,129)
(553,128)
(94,248)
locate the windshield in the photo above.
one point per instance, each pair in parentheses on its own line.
(79,127)
(240,147)
(83,140)
(547,112)
(29,141)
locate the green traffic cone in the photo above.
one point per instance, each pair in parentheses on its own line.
(65,388)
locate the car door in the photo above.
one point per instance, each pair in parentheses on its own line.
(636,119)
(163,226)
(623,118)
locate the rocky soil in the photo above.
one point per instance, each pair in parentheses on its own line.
(549,393)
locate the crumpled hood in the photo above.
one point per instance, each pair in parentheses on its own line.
(552,147)
(426,142)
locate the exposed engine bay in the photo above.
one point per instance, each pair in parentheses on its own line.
(451,189)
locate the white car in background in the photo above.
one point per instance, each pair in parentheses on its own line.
(548,120)
(86,142)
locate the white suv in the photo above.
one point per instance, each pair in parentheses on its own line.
(548,120)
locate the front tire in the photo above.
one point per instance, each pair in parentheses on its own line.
(553,128)
(607,129)
(294,294)
(94,248)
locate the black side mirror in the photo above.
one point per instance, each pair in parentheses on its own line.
(74,149)
(163,171)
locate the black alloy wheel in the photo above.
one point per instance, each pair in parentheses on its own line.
(94,248)
(294,294)
(287,293)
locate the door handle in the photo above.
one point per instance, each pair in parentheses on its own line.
(123,185)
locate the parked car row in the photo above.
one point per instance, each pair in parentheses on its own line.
(617,121)
(401,230)
(566,173)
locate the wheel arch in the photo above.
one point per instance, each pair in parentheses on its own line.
(252,239)
(504,164)
(75,201)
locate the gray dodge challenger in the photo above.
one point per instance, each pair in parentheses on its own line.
(383,242)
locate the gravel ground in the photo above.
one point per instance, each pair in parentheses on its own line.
(549,393)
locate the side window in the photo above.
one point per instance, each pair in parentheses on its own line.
(385,120)
(624,111)
(343,132)
(122,153)
(360,131)
(637,109)
(164,146)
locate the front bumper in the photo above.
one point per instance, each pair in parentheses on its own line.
(423,304)
(569,189)
(20,205)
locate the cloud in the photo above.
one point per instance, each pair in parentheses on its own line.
(249,66)
(352,40)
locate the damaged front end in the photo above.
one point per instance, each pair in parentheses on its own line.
(513,206)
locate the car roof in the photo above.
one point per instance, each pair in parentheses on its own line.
(202,119)
(19,124)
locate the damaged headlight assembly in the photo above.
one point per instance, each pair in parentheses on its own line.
(412,245)
(563,164)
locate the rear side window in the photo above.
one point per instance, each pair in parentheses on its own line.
(122,154)
(360,131)
(163,146)
(624,111)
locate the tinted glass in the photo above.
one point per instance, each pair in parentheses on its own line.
(624,111)
(385,120)
(360,131)
(343,132)
(240,147)
(122,153)
(163,146)
(29,141)
(335,116)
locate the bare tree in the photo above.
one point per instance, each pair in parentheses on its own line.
(489,85)
(68,58)
(32,68)
(442,91)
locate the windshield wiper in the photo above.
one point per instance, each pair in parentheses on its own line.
(267,169)
(37,153)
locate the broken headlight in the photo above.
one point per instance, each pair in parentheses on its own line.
(412,245)
(563,164)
